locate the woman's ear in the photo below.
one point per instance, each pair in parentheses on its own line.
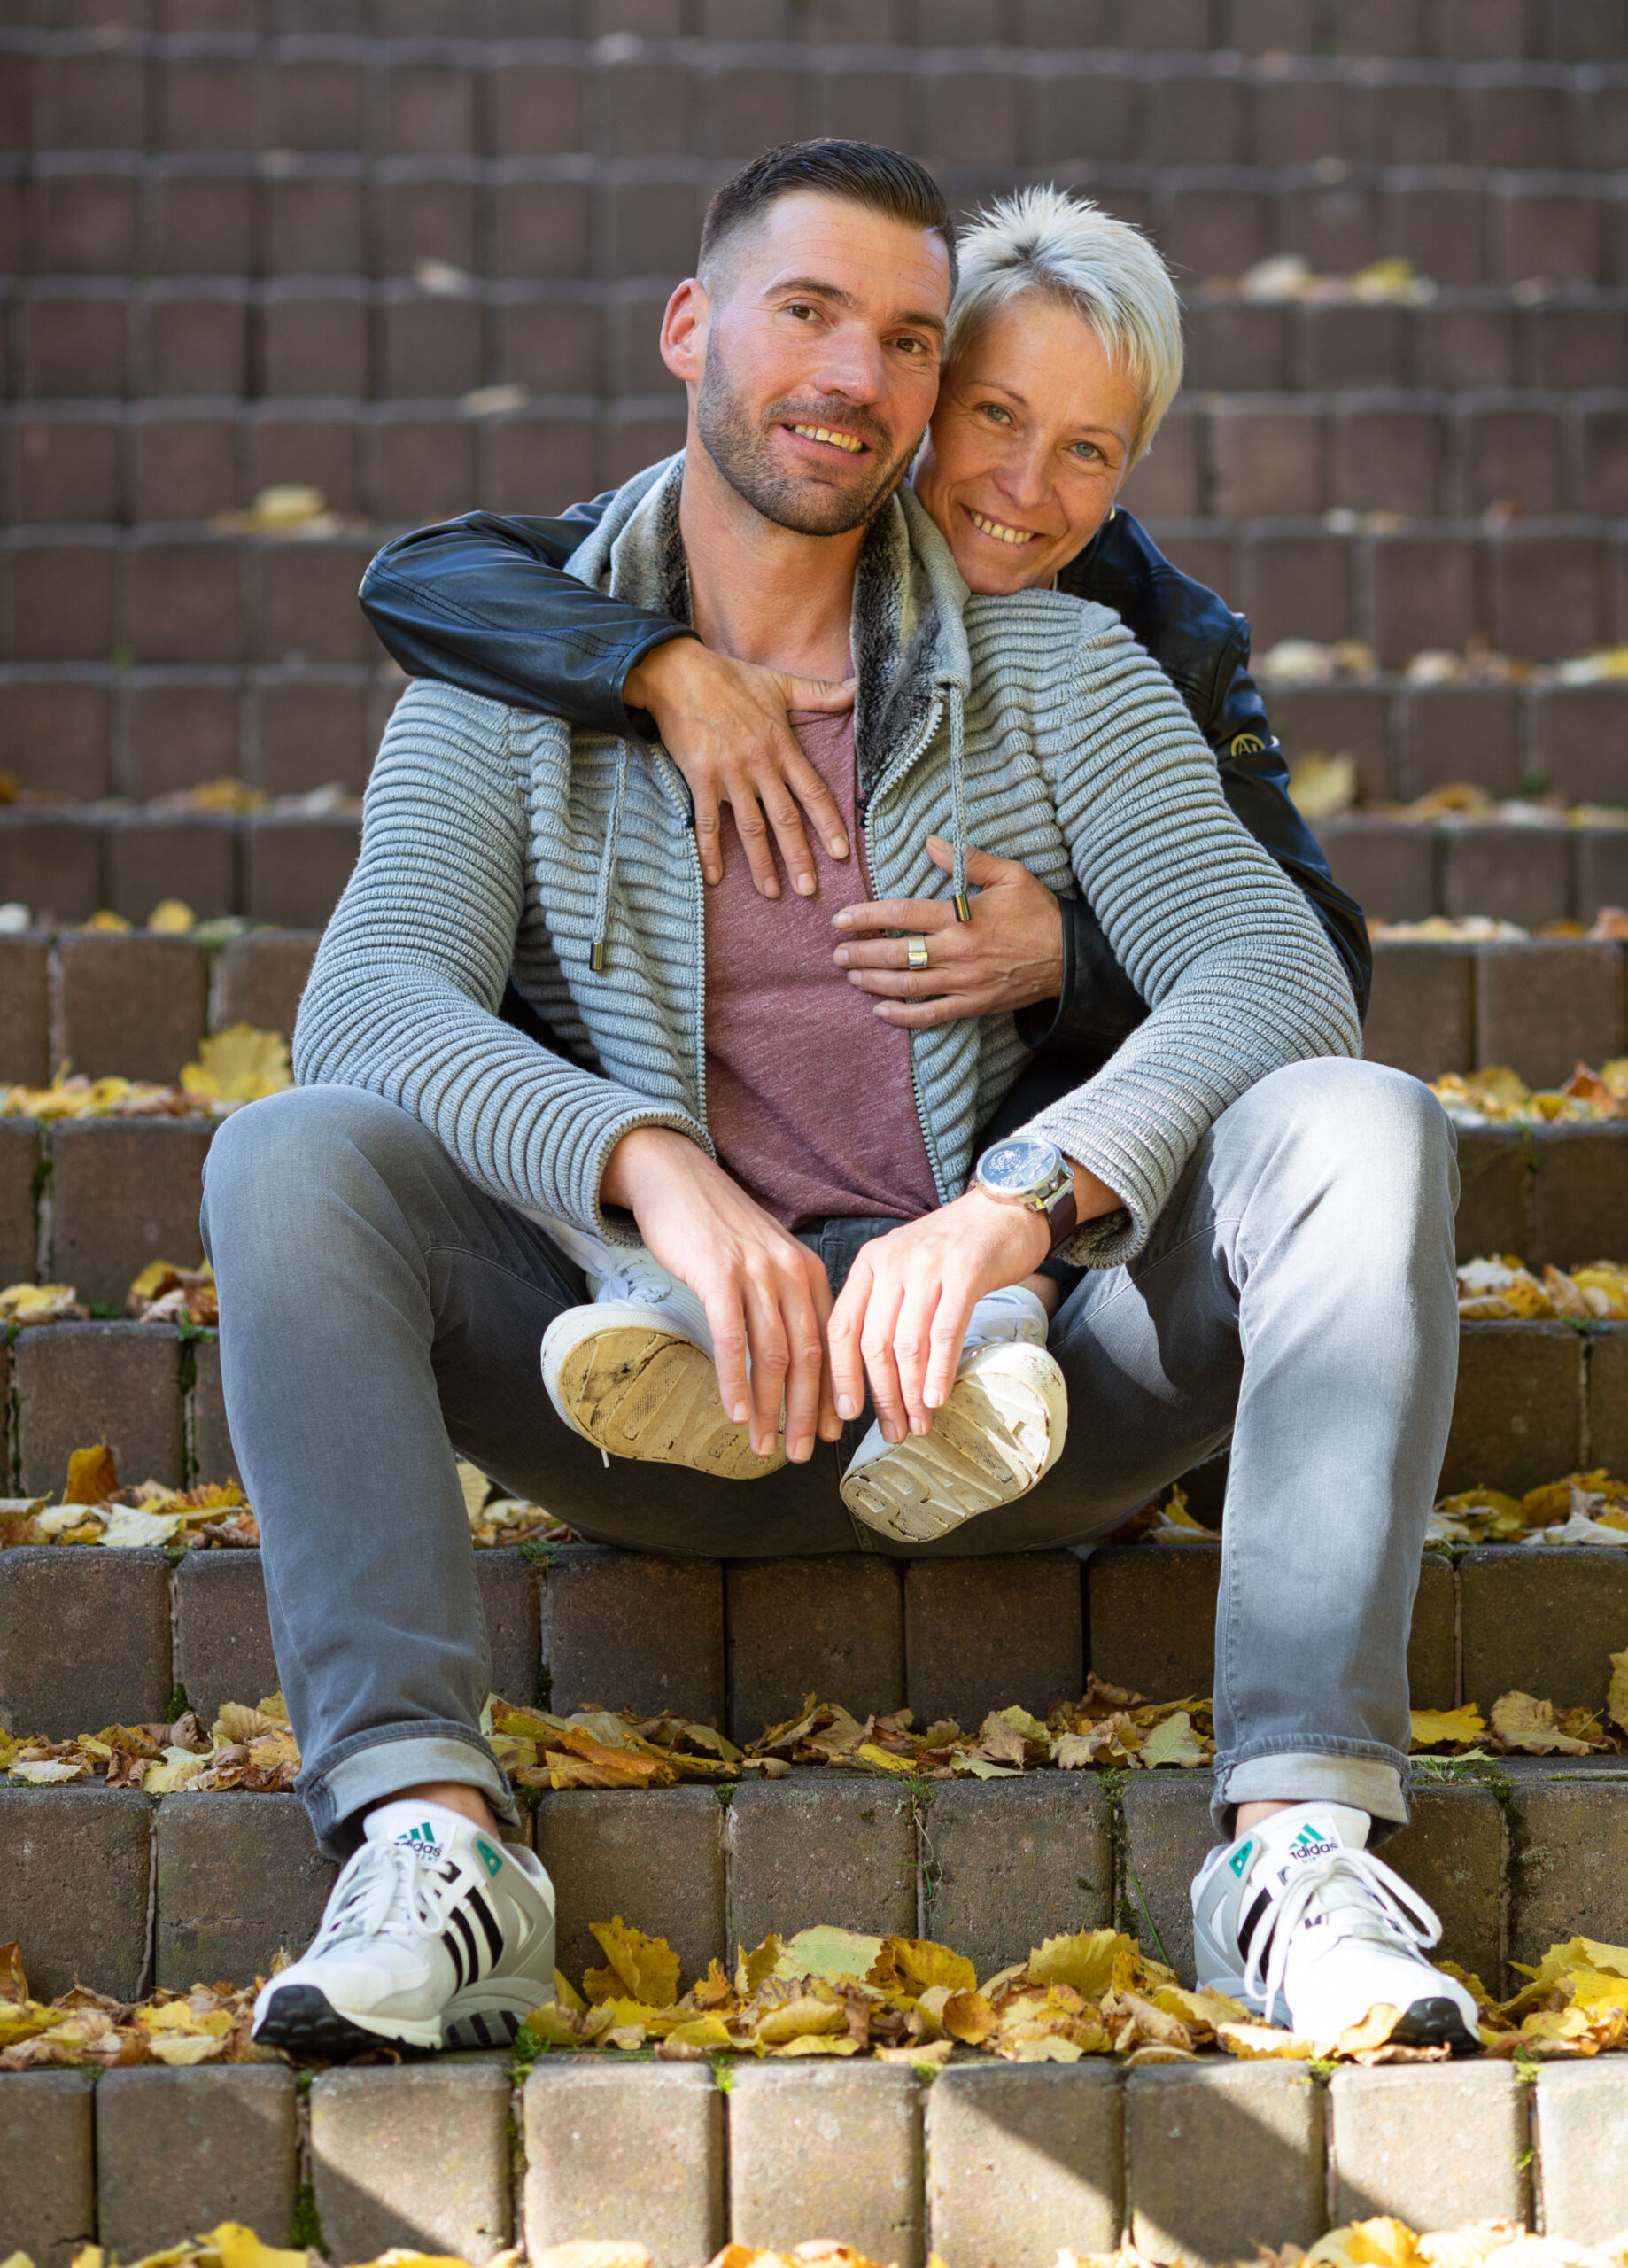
(683,330)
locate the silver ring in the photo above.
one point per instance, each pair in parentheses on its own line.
(915,952)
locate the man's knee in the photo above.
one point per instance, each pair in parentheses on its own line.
(1365,1126)
(278,1157)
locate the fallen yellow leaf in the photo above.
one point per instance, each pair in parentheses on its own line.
(646,1967)
(239,1065)
(1435,1727)
(92,1476)
(1084,1960)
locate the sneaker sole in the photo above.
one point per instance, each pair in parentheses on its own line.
(302,2021)
(489,2016)
(651,1396)
(1435,2022)
(980,1455)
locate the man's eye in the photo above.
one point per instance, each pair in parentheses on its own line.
(800,308)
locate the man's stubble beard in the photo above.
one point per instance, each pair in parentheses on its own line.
(741,449)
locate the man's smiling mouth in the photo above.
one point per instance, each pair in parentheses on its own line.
(848,442)
(999,530)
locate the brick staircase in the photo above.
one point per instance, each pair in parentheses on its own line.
(411,252)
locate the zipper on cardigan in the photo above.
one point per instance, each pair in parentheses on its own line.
(863,811)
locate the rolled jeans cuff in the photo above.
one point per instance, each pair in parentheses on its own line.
(1376,1783)
(372,1766)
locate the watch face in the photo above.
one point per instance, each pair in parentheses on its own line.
(1015,1168)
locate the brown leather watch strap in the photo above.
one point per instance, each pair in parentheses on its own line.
(1063,1215)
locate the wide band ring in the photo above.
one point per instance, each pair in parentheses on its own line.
(915,952)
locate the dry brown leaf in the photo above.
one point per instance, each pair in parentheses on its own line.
(1523,1723)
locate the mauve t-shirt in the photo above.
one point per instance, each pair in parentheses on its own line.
(809,1092)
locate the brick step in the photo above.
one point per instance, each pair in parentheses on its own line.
(104,338)
(97,212)
(1401,871)
(90,1201)
(975,101)
(288,866)
(86,730)
(135,1005)
(988,1866)
(1455,30)
(1231,457)
(1542,1004)
(1195,2163)
(743,1645)
(284,867)
(1542,589)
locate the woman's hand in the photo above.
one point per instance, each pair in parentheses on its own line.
(723,725)
(1007,955)
(766,1296)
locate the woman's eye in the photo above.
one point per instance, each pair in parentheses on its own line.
(995,415)
(1086,451)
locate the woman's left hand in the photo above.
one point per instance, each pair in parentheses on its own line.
(1009,955)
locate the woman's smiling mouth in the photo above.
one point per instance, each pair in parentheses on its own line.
(999,530)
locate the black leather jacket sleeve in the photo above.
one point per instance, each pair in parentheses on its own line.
(485,602)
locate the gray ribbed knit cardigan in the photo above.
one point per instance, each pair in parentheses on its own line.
(1033,726)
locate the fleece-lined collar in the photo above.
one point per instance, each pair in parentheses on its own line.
(909,643)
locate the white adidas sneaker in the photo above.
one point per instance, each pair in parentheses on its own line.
(1001,1428)
(436,1935)
(633,1373)
(1307,1927)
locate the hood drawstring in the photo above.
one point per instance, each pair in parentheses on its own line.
(958,796)
(607,860)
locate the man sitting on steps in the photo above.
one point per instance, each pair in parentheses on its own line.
(1265,1224)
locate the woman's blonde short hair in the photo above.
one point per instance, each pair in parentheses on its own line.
(1072,253)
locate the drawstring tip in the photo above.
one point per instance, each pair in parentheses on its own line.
(596,955)
(964,911)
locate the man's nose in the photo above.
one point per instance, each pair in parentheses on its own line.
(852,366)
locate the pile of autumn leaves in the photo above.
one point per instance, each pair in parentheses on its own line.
(829,1991)
(251,1750)
(209,2025)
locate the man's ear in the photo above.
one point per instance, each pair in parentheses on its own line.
(683,330)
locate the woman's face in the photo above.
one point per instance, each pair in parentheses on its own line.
(1030,442)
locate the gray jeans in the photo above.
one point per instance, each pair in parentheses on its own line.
(379,1314)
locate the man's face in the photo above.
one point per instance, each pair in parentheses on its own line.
(815,358)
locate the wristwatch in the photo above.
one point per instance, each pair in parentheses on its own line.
(1035,1174)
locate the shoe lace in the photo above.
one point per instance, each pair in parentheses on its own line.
(635,1275)
(386,1890)
(1358,1894)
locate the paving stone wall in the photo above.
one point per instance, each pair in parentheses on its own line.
(1195,2163)
(126,1891)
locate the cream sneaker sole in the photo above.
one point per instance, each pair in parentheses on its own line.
(1000,1431)
(636,1390)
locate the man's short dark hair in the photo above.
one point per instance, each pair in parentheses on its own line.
(865,173)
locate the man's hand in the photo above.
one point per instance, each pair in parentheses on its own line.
(766,1296)
(904,1310)
(1008,955)
(723,725)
